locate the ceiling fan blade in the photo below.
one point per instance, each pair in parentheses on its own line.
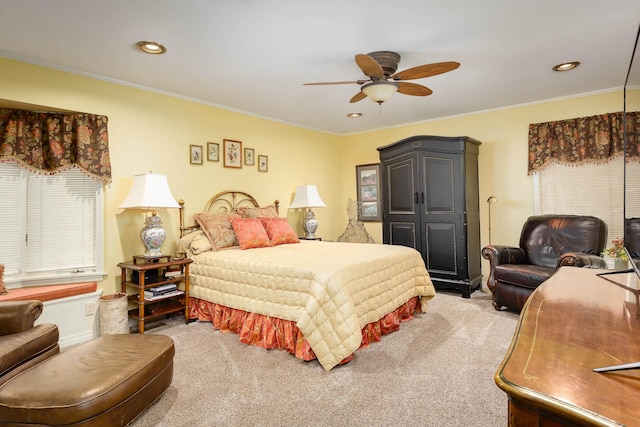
(427,70)
(358,97)
(369,66)
(414,89)
(357,82)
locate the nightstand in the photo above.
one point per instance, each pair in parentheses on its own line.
(160,277)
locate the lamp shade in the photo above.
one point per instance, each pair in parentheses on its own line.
(149,190)
(380,91)
(306,197)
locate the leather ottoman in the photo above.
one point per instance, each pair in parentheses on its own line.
(104,382)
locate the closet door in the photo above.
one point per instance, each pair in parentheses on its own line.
(443,215)
(401,208)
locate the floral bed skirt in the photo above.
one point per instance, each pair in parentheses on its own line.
(273,333)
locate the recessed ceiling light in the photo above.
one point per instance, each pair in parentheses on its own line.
(354,115)
(151,47)
(566,66)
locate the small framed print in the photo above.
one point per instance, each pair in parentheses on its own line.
(368,185)
(213,151)
(263,163)
(232,153)
(195,154)
(249,157)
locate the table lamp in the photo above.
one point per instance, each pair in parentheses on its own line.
(150,191)
(307,197)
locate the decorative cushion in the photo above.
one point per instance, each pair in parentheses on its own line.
(279,230)
(250,233)
(48,293)
(267,211)
(184,244)
(217,228)
(201,244)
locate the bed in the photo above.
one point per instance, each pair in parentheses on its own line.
(316,299)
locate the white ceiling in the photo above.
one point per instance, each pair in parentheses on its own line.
(254,55)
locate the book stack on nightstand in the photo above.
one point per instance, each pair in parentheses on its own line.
(173,272)
(162,292)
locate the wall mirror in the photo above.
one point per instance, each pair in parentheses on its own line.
(632,139)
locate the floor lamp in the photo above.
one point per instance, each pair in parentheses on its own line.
(491,200)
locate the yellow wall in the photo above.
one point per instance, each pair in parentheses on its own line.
(503,154)
(152,132)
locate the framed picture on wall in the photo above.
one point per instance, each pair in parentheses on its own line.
(263,163)
(213,151)
(249,157)
(369,197)
(232,153)
(195,154)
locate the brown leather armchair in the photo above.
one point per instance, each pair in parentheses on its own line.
(22,344)
(547,242)
(632,238)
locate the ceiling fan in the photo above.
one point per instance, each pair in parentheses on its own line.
(383,80)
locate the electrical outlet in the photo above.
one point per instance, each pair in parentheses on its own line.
(90,308)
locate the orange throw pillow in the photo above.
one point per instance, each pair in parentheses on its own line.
(250,233)
(279,230)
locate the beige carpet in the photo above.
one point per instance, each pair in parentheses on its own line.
(437,370)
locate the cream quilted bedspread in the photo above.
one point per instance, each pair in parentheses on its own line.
(329,289)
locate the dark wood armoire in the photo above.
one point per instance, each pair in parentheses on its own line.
(430,203)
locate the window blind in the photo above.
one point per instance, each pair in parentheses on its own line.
(592,189)
(61,236)
(11,212)
(50,225)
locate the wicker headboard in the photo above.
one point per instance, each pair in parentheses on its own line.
(223,202)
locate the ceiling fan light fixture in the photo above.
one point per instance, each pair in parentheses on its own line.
(566,66)
(151,47)
(380,91)
(354,115)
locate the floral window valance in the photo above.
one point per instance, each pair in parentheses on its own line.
(51,142)
(594,139)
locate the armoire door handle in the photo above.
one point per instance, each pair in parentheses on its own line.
(416,197)
(422,194)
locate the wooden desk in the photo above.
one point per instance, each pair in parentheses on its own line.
(572,323)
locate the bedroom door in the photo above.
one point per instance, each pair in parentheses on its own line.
(430,202)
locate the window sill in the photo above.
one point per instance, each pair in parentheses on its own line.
(25,282)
